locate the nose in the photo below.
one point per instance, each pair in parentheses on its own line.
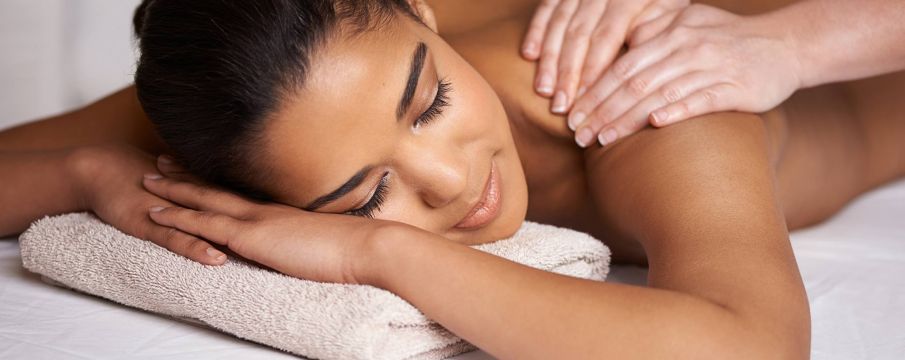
(439,175)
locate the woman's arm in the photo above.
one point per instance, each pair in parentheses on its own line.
(91,159)
(700,198)
(35,184)
(104,179)
(37,159)
(117,118)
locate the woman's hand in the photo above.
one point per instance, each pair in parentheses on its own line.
(689,63)
(109,181)
(314,246)
(575,40)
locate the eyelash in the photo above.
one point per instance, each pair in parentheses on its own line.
(436,108)
(373,205)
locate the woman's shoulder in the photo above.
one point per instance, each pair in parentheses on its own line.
(493,50)
(459,16)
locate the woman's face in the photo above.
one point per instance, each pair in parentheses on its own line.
(394,124)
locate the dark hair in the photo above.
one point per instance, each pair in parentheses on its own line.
(212,71)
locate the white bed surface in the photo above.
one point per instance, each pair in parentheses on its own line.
(853,266)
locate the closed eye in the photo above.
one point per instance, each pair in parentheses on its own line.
(373,205)
(441,100)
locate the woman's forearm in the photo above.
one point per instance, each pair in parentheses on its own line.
(516,312)
(34,184)
(117,118)
(839,40)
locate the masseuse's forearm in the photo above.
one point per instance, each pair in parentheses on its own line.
(34,184)
(840,40)
(516,312)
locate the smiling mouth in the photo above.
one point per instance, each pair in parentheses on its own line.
(488,207)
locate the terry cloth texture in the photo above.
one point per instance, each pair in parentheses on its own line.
(307,318)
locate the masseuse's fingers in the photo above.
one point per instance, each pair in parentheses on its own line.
(214,227)
(706,101)
(639,116)
(606,43)
(650,29)
(652,12)
(575,47)
(642,86)
(184,244)
(622,70)
(199,197)
(553,40)
(534,38)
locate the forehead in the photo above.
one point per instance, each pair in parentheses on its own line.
(344,117)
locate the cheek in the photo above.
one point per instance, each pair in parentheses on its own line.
(476,111)
(405,206)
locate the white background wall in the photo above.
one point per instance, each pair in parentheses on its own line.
(56,55)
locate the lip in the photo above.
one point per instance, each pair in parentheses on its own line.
(487,208)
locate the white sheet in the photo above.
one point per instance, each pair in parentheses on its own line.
(853,266)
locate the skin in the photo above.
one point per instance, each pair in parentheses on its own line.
(699,59)
(575,41)
(436,172)
(646,196)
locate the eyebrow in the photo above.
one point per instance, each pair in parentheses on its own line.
(408,95)
(350,185)
(412,83)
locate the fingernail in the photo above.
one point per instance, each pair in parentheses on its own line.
(546,85)
(559,103)
(165,159)
(156,209)
(576,119)
(582,90)
(584,137)
(216,254)
(660,117)
(608,137)
(153,176)
(528,49)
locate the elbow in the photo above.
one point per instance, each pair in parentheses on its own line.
(782,337)
(759,348)
(792,344)
(749,347)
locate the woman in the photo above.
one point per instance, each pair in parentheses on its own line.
(440,140)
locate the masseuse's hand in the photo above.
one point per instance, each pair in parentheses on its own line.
(575,40)
(314,246)
(109,181)
(689,63)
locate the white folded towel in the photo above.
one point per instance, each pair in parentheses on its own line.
(312,319)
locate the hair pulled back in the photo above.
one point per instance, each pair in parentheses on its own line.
(212,71)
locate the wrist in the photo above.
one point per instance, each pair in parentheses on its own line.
(80,165)
(793,29)
(389,244)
